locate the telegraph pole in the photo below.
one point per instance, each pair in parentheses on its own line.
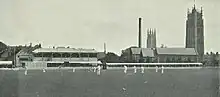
(14,58)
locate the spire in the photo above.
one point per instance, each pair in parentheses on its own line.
(188,11)
(201,10)
(194,6)
(194,3)
(151,31)
(147,31)
(154,30)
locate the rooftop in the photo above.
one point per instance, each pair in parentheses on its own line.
(65,50)
(177,51)
(147,52)
(136,50)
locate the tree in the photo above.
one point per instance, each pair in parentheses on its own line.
(207,53)
(112,57)
(162,46)
(40,45)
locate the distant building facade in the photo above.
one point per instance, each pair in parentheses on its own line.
(147,55)
(176,55)
(195,31)
(151,38)
(160,55)
(136,55)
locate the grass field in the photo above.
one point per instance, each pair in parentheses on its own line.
(111,83)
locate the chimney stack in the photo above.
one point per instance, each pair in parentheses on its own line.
(139,36)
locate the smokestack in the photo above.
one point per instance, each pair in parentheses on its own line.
(104,61)
(139,36)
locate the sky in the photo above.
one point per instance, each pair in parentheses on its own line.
(91,23)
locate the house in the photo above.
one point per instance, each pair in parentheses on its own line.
(135,55)
(147,55)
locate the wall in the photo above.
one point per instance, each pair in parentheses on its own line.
(163,58)
(135,58)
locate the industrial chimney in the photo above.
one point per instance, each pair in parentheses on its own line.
(139,36)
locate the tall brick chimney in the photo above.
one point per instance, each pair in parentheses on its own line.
(139,36)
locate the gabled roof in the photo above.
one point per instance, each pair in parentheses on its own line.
(147,52)
(136,51)
(177,51)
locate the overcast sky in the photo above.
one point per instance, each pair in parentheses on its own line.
(90,23)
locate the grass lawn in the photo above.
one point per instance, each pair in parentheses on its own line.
(111,83)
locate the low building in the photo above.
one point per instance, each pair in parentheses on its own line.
(61,56)
(147,55)
(2,46)
(135,55)
(176,55)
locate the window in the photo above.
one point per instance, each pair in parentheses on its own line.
(66,55)
(53,64)
(74,55)
(57,55)
(23,59)
(93,55)
(84,55)
(47,54)
(38,55)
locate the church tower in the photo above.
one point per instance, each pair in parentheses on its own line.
(195,31)
(151,38)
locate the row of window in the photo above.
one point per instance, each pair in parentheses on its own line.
(179,59)
(65,55)
(68,65)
